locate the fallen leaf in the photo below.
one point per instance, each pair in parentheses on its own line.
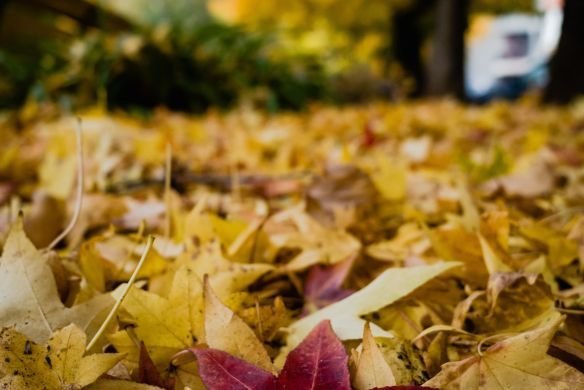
(371,370)
(220,370)
(536,180)
(149,374)
(519,362)
(323,285)
(319,362)
(58,364)
(318,244)
(156,322)
(108,384)
(344,315)
(225,331)
(29,300)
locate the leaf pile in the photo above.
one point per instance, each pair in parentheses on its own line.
(388,246)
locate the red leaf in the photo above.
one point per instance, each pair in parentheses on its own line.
(368,137)
(148,373)
(318,363)
(219,371)
(323,284)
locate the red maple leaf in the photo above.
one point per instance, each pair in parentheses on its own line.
(219,371)
(318,363)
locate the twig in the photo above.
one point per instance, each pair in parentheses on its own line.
(218,180)
(118,303)
(167,194)
(80,185)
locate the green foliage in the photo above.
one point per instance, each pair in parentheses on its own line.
(183,65)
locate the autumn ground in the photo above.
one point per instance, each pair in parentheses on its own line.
(411,244)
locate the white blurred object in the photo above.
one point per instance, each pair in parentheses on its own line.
(514,46)
(551,27)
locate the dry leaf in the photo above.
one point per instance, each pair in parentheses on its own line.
(371,370)
(28,295)
(58,364)
(388,287)
(519,362)
(225,331)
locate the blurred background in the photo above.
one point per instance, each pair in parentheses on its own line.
(190,55)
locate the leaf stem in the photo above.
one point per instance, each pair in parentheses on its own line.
(80,185)
(117,305)
(167,194)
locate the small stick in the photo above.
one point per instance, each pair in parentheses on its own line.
(117,305)
(80,185)
(167,194)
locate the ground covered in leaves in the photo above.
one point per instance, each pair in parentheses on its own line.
(426,244)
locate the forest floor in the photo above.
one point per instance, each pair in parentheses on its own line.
(429,244)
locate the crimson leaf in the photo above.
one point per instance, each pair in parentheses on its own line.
(219,371)
(323,284)
(317,363)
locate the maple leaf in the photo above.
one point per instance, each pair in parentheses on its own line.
(29,300)
(225,276)
(220,370)
(317,243)
(224,330)
(119,384)
(318,363)
(58,364)
(169,324)
(519,362)
(156,322)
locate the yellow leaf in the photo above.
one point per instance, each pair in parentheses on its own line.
(390,179)
(117,384)
(158,324)
(225,331)
(226,276)
(519,362)
(29,298)
(387,288)
(296,229)
(57,365)
(493,262)
(186,296)
(57,175)
(371,368)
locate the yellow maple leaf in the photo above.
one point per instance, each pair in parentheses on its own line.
(29,298)
(226,331)
(519,362)
(59,364)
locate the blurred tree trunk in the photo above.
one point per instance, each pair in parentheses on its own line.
(566,75)
(409,34)
(446,67)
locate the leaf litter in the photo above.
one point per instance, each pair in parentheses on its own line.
(290,254)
